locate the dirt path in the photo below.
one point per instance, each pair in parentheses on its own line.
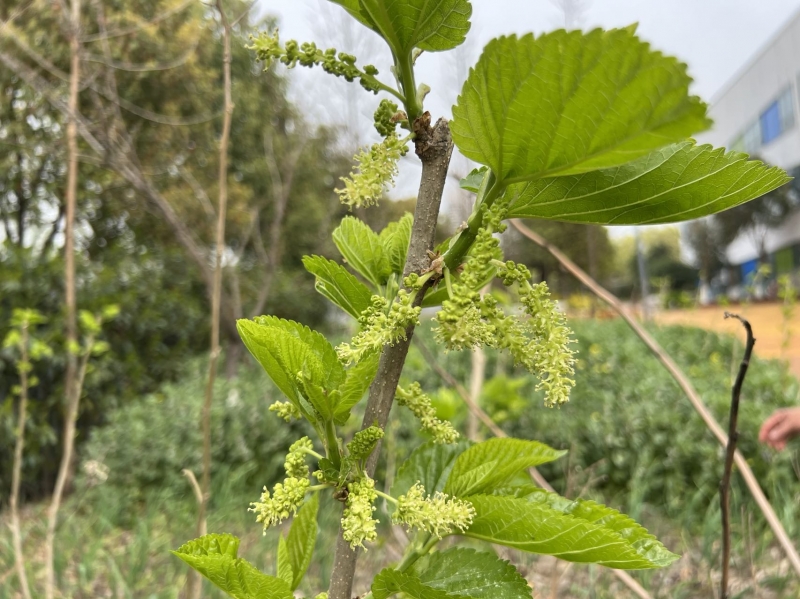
(769,326)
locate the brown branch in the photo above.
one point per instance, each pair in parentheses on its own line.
(216,296)
(16,473)
(683,383)
(730,450)
(434,148)
(71,388)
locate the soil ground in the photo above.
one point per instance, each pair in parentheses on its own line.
(777,337)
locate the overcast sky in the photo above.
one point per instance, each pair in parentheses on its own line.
(714,37)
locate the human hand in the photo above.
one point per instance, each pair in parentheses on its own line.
(779,428)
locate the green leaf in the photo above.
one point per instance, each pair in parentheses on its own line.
(409,24)
(259,343)
(338,285)
(576,531)
(358,380)
(571,102)
(430,464)
(395,239)
(284,565)
(302,538)
(362,249)
(679,182)
(474,180)
(470,573)
(215,557)
(488,465)
(389,582)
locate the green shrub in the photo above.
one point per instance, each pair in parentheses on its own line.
(147,443)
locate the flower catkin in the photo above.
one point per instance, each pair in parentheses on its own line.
(419,403)
(358,525)
(377,170)
(285,410)
(439,515)
(364,442)
(286,497)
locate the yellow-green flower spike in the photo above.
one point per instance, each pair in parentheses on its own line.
(364,442)
(286,410)
(420,405)
(377,170)
(358,525)
(379,328)
(439,515)
(284,502)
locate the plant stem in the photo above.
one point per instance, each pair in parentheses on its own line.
(332,443)
(71,390)
(730,451)
(459,249)
(16,475)
(405,67)
(387,497)
(216,293)
(311,452)
(434,148)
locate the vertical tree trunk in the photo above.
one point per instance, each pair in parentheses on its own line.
(70,388)
(216,297)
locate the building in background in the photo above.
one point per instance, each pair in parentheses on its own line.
(758,112)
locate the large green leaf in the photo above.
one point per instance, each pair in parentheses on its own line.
(679,182)
(362,249)
(577,531)
(258,341)
(215,557)
(338,285)
(395,239)
(300,348)
(302,538)
(389,582)
(284,569)
(358,380)
(571,102)
(470,573)
(429,464)
(491,464)
(408,24)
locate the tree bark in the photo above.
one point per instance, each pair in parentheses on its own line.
(434,148)
(70,388)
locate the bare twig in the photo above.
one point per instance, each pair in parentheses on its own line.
(683,383)
(475,409)
(216,296)
(434,147)
(71,387)
(730,450)
(16,474)
(198,493)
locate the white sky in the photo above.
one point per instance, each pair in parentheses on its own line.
(714,37)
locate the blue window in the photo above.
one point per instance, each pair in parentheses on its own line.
(770,123)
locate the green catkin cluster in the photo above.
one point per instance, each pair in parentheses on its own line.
(420,405)
(286,497)
(285,410)
(364,442)
(358,525)
(377,170)
(380,325)
(539,343)
(268,49)
(439,515)
(321,596)
(387,117)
